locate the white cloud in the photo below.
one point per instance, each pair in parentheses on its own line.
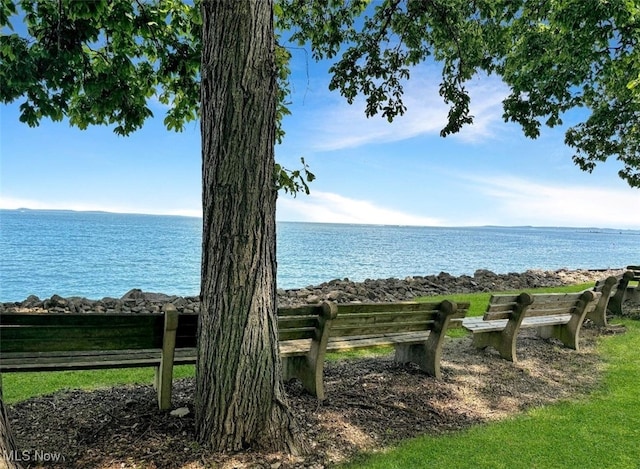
(336,125)
(522,201)
(503,201)
(326,207)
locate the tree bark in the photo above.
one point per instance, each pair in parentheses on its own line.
(240,399)
(7,442)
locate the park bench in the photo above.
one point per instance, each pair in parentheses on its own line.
(65,341)
(88,341)
(623,289)
(416,331)
(553,315)
(607,288)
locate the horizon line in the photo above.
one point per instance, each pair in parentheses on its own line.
(174,214)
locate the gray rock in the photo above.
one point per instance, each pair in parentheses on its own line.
(371,290)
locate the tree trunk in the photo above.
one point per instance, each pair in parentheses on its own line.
(240,398)
(7,443)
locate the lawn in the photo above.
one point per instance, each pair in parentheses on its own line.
(599,431)
(20,386)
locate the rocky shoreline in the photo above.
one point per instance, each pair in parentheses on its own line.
(341,291)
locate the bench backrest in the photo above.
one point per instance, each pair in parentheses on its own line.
(54,332)
(503,306)
(49,332)
(635,271)
(537,304)
(371,319)
(549,304)
(606,286)
(304,322)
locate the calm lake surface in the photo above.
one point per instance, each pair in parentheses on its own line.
(103,254)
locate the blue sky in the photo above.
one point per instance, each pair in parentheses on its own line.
(368,171)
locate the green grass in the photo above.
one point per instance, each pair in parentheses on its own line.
(600,431)
(20,386)
(479,301)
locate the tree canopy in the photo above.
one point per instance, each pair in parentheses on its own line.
(555,56)
(100,62)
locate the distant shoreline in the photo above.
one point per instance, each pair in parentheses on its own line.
(179,215)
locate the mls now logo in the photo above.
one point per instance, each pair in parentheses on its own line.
(34,456)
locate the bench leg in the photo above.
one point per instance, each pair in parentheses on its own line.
(164,373)
(598,315)
(427,354)
(310,375)
(164,382)
(617,300)
(502,341)
(563,332)
(421,355)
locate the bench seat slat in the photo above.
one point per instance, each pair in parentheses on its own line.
(478,324)
(369,308)
(292,348)
(339,330)
(369,341)
(90,359)
(82,361)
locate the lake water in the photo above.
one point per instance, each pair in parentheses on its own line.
(103,254)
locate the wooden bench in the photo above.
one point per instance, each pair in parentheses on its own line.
(557,315)
(56,342)
(63,341)
(415,330)
(607,288)
(635,270)
(617,300)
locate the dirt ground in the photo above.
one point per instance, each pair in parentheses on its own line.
(371,403)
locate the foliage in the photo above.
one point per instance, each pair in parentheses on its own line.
(101,62)
(294,181)
(554,56)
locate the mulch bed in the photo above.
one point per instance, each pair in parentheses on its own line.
(371,403)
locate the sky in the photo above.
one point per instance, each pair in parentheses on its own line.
(367,170)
